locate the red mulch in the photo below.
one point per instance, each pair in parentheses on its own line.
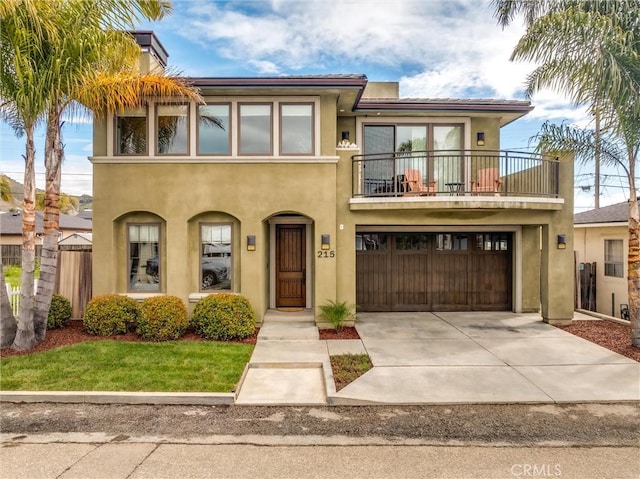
(344,333)
(610,335)
(75,333)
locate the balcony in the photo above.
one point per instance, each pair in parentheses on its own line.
(456,178)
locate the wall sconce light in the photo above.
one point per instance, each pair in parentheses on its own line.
(562,242)
(251,243)
(345,135)
(480,138)
(325,242)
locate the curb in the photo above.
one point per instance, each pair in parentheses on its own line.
(109,397)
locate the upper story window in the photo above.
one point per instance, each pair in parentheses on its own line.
(296,129)
(226,127)
(255,129)
(172,129)
(131,132)
(143,257)
(214,129)
(613,258)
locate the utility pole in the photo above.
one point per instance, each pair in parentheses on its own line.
(597,159)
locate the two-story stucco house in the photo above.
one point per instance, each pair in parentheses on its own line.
(296,190)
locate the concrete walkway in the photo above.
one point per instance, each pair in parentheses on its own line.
(436,358)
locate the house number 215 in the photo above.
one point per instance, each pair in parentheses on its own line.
(326,254)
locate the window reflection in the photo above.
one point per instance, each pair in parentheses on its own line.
(371,241)
(215,257)
(213,129)
(296,129)
(143,257)
(172,127)
(255,129)
(131,132)
(451,242)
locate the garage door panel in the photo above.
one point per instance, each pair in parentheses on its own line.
(492,279)
(449,282)
(373,273)
(410,280)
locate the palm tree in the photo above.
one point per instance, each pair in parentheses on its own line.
(590,50)
(96,59)
(23,100)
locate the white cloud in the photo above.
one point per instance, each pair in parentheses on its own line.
(265,67)
(439,49)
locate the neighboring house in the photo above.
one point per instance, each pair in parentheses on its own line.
(415,209)
(601,236)
(11,233)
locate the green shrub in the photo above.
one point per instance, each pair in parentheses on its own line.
(336,313)
(162,318)
(59,312)
(223,316)
(110,314)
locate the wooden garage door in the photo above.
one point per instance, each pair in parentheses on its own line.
(434,271)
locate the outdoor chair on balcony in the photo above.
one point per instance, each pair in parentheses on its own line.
(488,182)
(413,185)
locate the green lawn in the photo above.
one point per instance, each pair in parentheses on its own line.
(176,366)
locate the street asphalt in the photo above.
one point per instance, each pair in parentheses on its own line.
(88,441)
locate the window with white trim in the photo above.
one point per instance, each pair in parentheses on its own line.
(296,129)
(614,258)
(214,129)
(143,257)
(255,129)
(215,256)
(172,129)
(131,132)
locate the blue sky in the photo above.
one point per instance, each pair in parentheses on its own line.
(434,48)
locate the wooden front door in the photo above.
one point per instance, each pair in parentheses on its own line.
(291,270)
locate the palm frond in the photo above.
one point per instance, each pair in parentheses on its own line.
(116,92)
(583,142)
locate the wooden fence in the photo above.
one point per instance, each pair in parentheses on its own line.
(73,281)
(587,286)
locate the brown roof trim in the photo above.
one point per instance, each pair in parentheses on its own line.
(325,81)
(446,105)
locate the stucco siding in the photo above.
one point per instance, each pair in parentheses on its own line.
(590,247)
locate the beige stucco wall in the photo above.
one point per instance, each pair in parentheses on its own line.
(179,196)
(589,247)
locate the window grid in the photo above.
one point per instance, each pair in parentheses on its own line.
(216,256)
(613,258)
(143,257)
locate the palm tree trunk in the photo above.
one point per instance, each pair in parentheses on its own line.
(633,256)
(25,335)
(49,256)
(8,325)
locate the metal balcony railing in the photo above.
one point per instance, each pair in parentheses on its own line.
(455,172)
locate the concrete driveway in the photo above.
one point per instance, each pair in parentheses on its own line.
(423,358)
